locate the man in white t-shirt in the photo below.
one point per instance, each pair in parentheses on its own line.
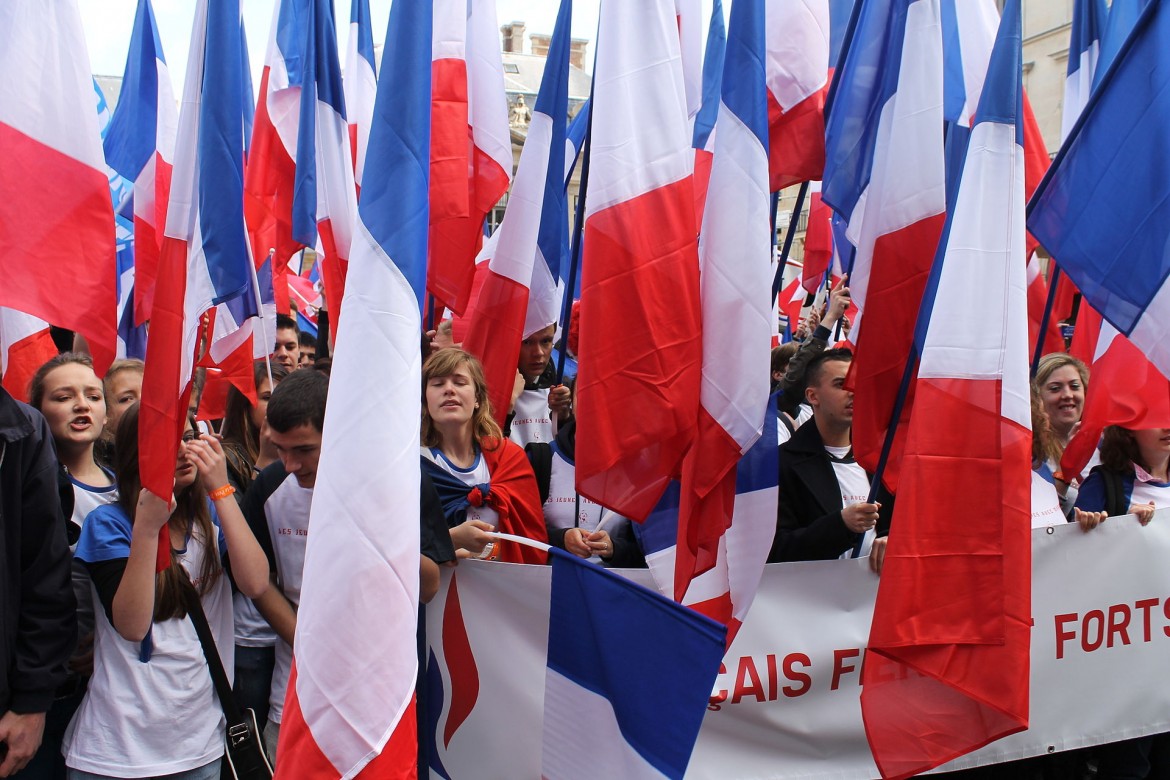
(277,509)
(824,512)
(539,405)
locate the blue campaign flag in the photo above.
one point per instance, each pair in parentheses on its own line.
(1103,210)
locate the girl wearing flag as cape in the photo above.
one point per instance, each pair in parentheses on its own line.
(484,480)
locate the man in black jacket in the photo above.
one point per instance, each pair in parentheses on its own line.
(823,509)
(38,621)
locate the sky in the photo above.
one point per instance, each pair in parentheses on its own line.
(108,24)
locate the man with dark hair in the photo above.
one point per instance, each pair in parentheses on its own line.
(537,400)
(38,611)
(308,346)
(277,508)
(824,512)
(288,343)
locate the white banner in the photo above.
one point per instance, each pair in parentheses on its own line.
(787,702)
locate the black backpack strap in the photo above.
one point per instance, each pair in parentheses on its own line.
(540,457)
(219,678)
(1114,492)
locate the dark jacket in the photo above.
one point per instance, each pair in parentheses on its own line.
(38,620)
(809,526)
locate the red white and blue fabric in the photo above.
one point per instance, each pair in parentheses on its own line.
(798,82)
(243,330)
(54,192)
(969,30)
(519,295)
(640,321)
(361,83)
(704,136)
(357,554)
(300,170)
(885,174)
(204,257)
(726,590)
(735,267)
(955,599)
(1104,210)
(1126,390)
(628,670)
(471,145)
(140,145)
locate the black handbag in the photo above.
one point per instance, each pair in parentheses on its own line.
(244,752)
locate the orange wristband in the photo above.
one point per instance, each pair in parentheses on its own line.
(222,492)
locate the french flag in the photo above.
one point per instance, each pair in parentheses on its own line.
(955,598)
(357,555)
(885,174)
(204,258)
(324,203)
(1104,208)
(300,183)
(818,241)
(629,670)
(1084,51)
(791,301)
(471,148)
(56,218)
(1037,303)
(140,145)
(25,346)
(640,320)
(131,337)
(361,83)
(703,138)
(798,82)
(242,330)
(1127,390)
(726,590)
(969,30)
(735,263)
(518,295)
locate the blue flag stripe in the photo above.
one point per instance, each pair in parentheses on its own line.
(655,661)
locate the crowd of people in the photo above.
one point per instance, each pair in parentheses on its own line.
(106,676)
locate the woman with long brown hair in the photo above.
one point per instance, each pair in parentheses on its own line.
(484,480)
(242,423)
(151,709)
